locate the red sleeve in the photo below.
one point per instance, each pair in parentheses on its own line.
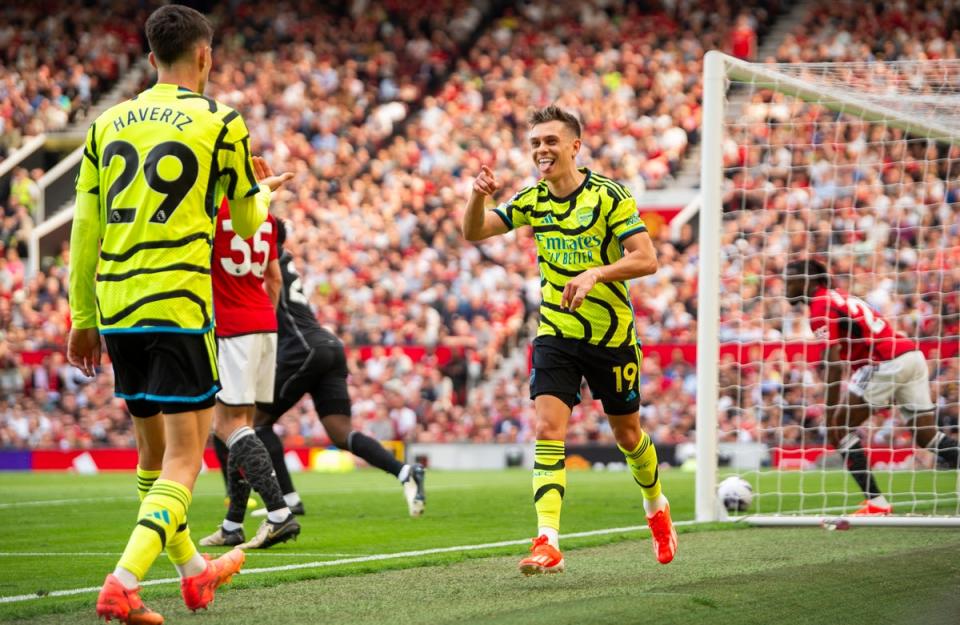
(822,322)
(272,238)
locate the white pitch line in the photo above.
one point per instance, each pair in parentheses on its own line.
(133,496)
(353,560)
(63,502)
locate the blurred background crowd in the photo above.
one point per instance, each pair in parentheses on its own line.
(386,109)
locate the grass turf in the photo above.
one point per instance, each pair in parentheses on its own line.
(716,576)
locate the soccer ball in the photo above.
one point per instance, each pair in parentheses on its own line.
(735,493)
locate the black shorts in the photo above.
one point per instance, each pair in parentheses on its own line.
(613,373)
(166,372)
(322,372)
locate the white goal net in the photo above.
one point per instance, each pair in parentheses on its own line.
(855,166)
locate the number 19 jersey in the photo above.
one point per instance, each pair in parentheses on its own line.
(241,304)
(160,164)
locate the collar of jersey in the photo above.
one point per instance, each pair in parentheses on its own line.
(573,195)
(166,87)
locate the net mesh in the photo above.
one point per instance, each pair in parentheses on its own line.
(854,165)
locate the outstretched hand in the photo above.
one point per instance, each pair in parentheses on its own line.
(266,176)
(486,183)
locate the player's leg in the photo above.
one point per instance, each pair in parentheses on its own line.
(290,384)
(842,434)
(555,389)
(200,577)
(331,398)
(549,482)
(614,377)
(247,365)
(151,442)
(162,511)
(119,597)
(913,396)
(263,421)
(411,476)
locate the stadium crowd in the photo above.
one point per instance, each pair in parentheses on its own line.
(385,126)
(57,58)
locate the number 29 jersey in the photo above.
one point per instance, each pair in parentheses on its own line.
(241,305)
(160,164)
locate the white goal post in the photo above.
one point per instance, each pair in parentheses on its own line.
(898,111)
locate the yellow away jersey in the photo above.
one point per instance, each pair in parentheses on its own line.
(573,234)
(159,165)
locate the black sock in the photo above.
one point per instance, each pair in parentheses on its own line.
(238,488)
(275,448)
(252,458)
(362,446)
(948,449)
(223,455)
(856,459)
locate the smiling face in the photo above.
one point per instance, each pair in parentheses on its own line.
(554,147)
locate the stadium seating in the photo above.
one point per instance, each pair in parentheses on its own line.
(385,125)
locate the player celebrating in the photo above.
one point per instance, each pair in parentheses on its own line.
(886,367)
(311,360)
(247,342)
(590,241)
(153,171)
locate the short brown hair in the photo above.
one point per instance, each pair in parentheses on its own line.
(554,113)
(174,29)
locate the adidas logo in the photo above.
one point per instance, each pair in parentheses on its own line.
(548,219)
(632,395)
(160,515)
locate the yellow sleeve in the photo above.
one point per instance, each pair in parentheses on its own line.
(624,219)
(514,211)
(84,253)
(88,179)
(235,162)
(248,213)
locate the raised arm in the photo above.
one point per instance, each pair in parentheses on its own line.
(478,223)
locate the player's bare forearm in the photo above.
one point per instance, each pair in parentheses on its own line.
(832,375)
(640,260)
(273,282)
(473,217)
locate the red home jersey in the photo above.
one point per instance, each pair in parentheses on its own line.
(862,334)
(240,304)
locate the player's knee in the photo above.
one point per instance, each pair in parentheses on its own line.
(548,431)
(338,435)
(628,437)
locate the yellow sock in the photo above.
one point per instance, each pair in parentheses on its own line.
(161,513)
(145,480)
(549,482)
(644,466)
(180,547)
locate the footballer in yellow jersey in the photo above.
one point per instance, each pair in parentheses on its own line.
(590,242)
(153,173)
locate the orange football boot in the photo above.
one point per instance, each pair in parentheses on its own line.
(543,558)
(198,590)
(664,535)
(124,604)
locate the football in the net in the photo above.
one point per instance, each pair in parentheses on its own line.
(735,493)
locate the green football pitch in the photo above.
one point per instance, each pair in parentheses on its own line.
(361,559)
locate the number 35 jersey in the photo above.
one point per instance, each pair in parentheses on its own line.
(160,164)
(240,303)
(862,334)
